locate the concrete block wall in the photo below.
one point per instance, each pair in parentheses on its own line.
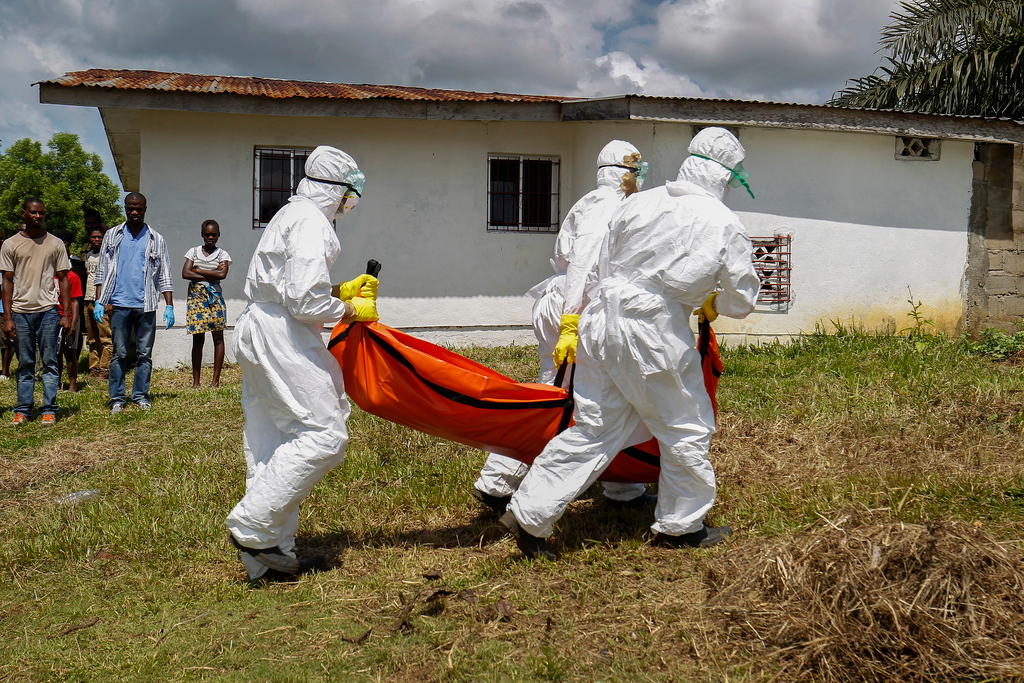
(1001,171)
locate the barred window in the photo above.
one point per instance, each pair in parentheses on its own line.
(522,193)
(917,149)
(276,173)
(773,262)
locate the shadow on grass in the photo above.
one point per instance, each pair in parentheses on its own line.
(64,412)
(482,530)
(161,395)
(583,525)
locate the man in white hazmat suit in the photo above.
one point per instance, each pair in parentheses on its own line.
(293,394)
(669,250)
(620,173)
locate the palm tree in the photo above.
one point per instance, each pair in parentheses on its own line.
(948,57)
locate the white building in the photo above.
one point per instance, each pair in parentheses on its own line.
(855,209)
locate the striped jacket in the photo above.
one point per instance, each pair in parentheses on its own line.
(157,277)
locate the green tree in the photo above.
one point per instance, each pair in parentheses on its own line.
(66,177)
(948,57)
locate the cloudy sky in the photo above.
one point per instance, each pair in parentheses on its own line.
(783,50)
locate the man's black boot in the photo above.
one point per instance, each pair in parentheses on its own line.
(497,504)
(311,564)
(271,557)
(704,537)
(641,502)
(531,546)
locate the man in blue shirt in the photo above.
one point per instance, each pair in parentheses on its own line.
(133,271)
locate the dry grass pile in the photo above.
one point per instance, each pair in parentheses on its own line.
(859,599)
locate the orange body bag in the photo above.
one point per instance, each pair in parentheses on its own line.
(424,386)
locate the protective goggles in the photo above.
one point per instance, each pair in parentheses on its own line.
(355,187)
(739,174)
(640,170)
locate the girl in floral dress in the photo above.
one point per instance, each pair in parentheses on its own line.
(205,267)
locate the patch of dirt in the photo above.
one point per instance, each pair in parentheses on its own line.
(58,459)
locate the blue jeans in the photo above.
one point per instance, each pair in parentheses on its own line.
(127,324)
(37,331)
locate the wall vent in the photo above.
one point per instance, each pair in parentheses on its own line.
(917,149)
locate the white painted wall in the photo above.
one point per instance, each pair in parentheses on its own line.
(865,226)
(423,216)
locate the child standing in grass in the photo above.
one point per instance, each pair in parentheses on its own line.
(71,341)
(205,267)
(97,332)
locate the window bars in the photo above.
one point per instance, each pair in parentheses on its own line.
(522,193)
(772,258)
(276,173)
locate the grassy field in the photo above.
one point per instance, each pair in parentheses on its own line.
(138,581)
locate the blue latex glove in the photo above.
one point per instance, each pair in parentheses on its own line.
(169,316)
(97,312)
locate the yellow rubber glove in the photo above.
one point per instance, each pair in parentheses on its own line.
(568,337)
(707,311)
(365,309)
(364,286)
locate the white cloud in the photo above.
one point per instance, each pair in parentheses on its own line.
(770,50)
(524,45)
(617,73)
(23,61)
(798,50)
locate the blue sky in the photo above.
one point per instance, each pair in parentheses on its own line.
(783,50)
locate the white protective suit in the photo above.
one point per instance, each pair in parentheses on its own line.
(577,249)
(293,394)
(667,249)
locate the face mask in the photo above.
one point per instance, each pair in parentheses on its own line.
(348,203)
(641,172)
(739,174)
(634,180)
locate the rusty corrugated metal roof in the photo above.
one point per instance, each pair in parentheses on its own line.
(806,105)
(130,79)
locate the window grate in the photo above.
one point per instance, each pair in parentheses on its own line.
(276,174)
(773,262)
(522,193)
(917,149)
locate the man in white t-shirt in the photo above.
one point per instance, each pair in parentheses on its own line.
(35,268)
